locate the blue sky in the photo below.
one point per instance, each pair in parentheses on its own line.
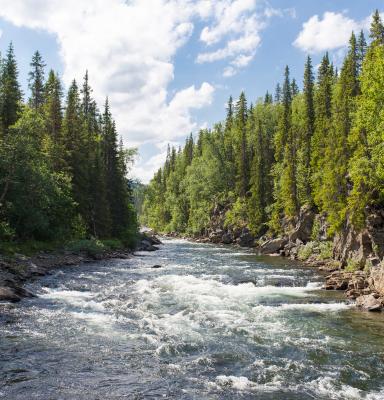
(169,66)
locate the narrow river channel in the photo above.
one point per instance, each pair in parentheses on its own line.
(213,323)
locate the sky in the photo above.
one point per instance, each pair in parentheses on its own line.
(169,66)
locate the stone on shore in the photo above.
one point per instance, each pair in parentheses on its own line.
(273,246)
(369,302)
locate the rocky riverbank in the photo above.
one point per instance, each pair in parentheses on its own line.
(352,261)
(15,271)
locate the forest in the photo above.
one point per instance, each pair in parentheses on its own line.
(63,169)
(319,147)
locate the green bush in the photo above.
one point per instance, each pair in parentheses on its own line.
(113,244)
(326,250)
(354,265)
(92,247)
(306,250)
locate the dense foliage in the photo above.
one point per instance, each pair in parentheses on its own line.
(63,173)
(321,148)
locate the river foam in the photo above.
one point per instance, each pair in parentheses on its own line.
(212,323)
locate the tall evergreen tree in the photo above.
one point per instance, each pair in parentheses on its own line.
(309,128)
(323,112)
(335,188)
(242,161)
(11,95)
(36,81)
(377,29)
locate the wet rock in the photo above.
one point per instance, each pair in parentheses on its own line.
(273,245)
(369,302)
(337,280)
(146,245)
(246,239)
(227,238)
(216,236)
(13,294)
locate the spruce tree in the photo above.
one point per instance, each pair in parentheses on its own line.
(361,50)
(278,93)
(309,128)
(242,163)
(366,166)
(320,139)
(377,29)
(11,95)
(36,81)
(337,154)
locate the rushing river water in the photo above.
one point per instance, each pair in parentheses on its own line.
(214,323)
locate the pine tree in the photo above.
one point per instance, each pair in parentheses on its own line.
(289,193)
(335,188)
(361,50)
(366,166)
(36,81)
(53,94)
(323,112)
(268,99)
(294,88)
(242,162)
(11,95)
(278,93)
(309,128)
(74,144)
(377,29)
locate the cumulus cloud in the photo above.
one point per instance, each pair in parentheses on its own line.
(330,32)
(129,47)
(236,30)
(238,21)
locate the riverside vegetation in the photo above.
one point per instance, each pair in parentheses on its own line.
(63,171)
(63,178)
(300,173)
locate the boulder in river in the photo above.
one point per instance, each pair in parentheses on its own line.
(246,239)
(146,245)
(227,238)
(13,294)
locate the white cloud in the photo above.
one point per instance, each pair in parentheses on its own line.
(330,32)
(129,47)
(238,22)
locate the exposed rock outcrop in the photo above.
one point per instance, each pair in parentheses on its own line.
(362,246)
(304,225)
(369,302)
(148,242)
(273,246)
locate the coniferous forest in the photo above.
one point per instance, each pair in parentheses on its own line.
(63,170)
(319,147)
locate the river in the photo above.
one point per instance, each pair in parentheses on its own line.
(214,322)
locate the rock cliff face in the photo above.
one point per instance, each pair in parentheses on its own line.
(361,247)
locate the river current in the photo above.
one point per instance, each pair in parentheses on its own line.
(214,322)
